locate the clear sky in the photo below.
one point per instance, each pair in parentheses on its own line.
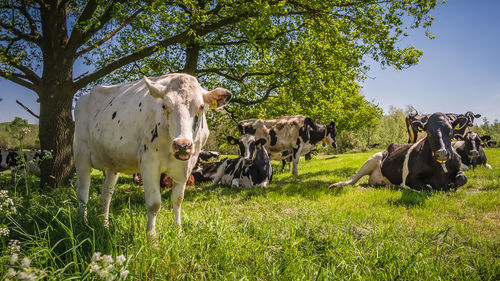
(459,71)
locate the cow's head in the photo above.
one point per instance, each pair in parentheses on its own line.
(439,135)
(248,147)
(184,103)
(470,116)
(330,134)
(472,142)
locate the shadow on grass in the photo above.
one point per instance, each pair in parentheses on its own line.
(410,198)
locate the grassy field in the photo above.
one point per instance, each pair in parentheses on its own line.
(296,229)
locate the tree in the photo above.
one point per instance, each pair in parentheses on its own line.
(265,51)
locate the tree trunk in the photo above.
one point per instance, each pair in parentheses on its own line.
(56,134)
(192,55)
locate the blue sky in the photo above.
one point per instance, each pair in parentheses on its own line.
(459,71)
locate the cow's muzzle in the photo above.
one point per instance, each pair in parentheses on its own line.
(473,154)
(182,149)
(3,166)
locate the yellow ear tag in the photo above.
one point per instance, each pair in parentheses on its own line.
(457,127)
(419,129)
(259,145)
(213,105)
(324,141)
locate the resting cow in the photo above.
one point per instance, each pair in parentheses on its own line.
(429,163)
(471,151)
(153,125)
(206,155)
(415,133)
(253,167)
(299,134)
(205,171)
(4,153)
(10,159)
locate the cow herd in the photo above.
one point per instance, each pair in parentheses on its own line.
(155,128)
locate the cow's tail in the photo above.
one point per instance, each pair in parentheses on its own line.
(367,169)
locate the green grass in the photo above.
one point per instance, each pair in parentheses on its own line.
(295,229)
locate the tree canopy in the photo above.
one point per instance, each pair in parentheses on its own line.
(278,57)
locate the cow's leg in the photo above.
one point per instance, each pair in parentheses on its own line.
(83,169)
(295,158)
(283,163)
(177,198)
(368,168)
(107,192)
(219,174)
(151,181)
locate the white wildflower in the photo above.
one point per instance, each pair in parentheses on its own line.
(4,232)
(110,267)
(14,246)
(120,259)
(102,273)
(13,259)
(107,258)
(96,256)
(22,275)
(25,262)
(12,272)
(123,273)
(94,268)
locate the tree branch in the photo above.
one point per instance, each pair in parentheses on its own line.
(259,100)
(111,34)
(29,74)
(10,28)
(27,109)
(18,79)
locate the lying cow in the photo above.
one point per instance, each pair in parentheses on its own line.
(415,133)
(153,125)
(4,153)
(253,167)
(205,171)
(486,141)
(15,163)
(471,151)
(207,155)
(430,162)
(299,134)
(165,181)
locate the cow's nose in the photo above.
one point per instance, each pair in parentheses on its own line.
(474,153)
(442,154)
(182,145)
(3,165)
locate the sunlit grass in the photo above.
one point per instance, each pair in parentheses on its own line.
(295,229)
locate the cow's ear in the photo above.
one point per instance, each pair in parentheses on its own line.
(477,115)
(156,90)
(217,98)
(418,125)
(460,123)
(485,138)
(260,142)
(332,124)
(232,140)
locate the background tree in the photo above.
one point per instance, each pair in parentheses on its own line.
(269,53)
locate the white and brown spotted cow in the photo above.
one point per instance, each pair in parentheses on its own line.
(152,125)
(298,133)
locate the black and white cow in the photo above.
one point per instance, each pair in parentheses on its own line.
(253,167)
(416,133)
(205,171)
(487,141)
(13,161)
(298,133)
(207,155)
(152,126)
(4,165)
(429,163)
(471,151)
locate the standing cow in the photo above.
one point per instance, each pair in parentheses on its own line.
(430,162)
(153,125)
(298,133)
(416,133)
